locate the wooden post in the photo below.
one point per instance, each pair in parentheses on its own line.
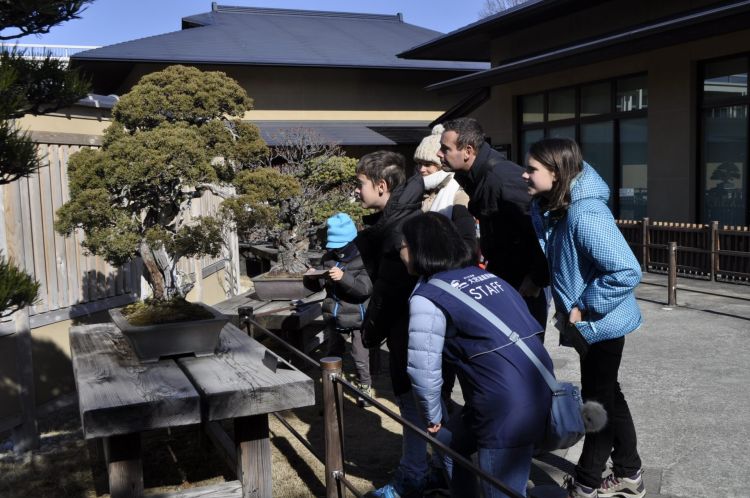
(333,427)
(645,241)
(26,435)
(714,249)
(672,276)
(124,466)
(253,456)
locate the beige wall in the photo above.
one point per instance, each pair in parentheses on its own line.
(350,93)
(672,114)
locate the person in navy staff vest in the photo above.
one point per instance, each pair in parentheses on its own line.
(507,400)
(594,275)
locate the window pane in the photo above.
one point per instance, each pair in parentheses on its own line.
(724,79)
(725,165)
(596,99)
(527,138)
(597,145)
(634,174)
(563,132)
(532,107)
(562,104)
(632,94)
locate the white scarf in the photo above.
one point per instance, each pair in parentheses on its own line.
(445,197)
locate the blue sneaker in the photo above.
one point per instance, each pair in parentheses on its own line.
(387,491)
(400,487)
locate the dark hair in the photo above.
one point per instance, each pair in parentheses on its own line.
(563,157)
(435,244)
(383,165)
(469,132)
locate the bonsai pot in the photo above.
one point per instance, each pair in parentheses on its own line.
(270,287)
(150,342)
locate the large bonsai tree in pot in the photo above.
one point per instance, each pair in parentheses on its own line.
(176,134)
(285,198)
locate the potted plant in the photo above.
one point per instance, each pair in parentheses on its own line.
(176,134)
(284,201)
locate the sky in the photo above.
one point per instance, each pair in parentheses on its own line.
(105,22)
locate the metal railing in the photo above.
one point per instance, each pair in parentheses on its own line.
(333,384)
(41,51)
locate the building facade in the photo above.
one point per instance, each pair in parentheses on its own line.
(656,94)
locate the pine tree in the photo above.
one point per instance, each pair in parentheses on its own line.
(29,86)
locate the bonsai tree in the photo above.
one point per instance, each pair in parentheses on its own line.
(286,198)
(175,134)
(29,86)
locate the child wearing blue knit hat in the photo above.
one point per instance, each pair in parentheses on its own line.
(348,288)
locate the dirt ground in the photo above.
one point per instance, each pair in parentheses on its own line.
(67,466)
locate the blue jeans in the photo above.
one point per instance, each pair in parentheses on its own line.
(511,466)
(413,464)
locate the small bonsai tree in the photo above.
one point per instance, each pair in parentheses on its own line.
(175,134)
(286,198)
(29,86)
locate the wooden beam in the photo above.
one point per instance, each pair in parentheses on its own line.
(60,138)
(26,435)
(119,395)
(124,465)
(254,456)
(231,489)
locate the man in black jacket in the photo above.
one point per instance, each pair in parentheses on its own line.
(499,199)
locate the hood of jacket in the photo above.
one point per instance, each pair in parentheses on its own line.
(588,185)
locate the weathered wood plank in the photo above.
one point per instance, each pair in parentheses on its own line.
(56,164)
(48,232)
(235,382)
(35,218)
(75,295)
(25,218)
(25,436)
(254,452)
(118,395)
(231,489)
(124,466)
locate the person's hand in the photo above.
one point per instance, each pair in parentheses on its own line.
(528,288)
(434,428)
(575,315)
(335,273)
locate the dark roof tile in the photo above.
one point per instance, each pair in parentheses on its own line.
(256,36)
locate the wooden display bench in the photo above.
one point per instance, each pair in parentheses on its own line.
(302,327)
(119,398)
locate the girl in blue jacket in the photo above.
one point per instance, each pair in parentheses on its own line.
(507,400)
(593,277)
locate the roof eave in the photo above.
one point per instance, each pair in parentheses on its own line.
(698,24)
(81,60)
(474,39)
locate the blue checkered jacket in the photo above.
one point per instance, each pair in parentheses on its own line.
(591,265)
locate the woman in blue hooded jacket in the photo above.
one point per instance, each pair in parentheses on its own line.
(593,277)
(507,399)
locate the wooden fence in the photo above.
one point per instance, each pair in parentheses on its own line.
(74,282)
(707,252)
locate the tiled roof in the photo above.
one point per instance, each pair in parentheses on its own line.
(262,36)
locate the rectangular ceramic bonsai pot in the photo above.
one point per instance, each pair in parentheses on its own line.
(150,342)
(270,288)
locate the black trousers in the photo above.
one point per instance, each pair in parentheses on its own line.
(599,369)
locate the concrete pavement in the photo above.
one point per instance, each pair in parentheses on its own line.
(686,377)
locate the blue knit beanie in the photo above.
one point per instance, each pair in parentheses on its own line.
(341,231)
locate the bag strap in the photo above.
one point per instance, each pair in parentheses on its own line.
(500,325)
